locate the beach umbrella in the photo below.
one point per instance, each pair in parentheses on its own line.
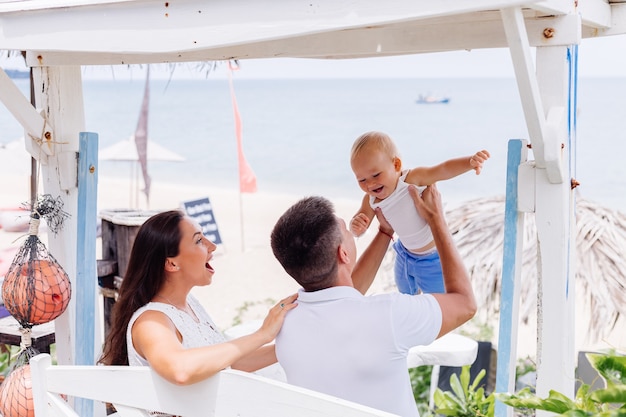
(478,230)
(126,150)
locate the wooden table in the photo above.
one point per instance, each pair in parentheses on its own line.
(42,335)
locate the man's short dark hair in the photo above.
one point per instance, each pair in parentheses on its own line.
(305,241)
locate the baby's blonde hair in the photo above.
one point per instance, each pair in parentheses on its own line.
(377,140)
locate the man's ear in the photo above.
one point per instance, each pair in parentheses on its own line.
(397,164)
(342,255)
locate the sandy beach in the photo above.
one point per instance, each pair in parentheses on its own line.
(248,279)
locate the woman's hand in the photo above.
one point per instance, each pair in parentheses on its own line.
(275,317)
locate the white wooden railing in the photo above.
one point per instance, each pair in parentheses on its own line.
(134,390)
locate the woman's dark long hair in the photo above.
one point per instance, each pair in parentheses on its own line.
(157,239)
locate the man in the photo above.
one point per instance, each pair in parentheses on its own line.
(340,342)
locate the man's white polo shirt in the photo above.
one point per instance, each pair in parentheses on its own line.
(354,347)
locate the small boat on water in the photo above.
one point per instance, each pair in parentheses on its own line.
(428,99)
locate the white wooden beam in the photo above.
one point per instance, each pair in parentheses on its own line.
(617,25)
(526,81)
(595,13)
(472,31)
(24,5)
(618,19)
(153,27)
(552,7)
(39,138)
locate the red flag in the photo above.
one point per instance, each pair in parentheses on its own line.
(247,179)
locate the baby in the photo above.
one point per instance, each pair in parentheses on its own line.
(378,169)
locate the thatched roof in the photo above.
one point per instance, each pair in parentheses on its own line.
(478,229)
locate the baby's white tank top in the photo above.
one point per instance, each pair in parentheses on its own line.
(400,212)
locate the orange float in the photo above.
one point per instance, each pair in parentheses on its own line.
(16,394)
(36,292)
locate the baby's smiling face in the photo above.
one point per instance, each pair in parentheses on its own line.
(376,172)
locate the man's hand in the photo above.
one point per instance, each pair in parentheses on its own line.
(428,205)
(383,224)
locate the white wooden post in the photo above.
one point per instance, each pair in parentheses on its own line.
(555,220)
(548,97)
(58,92)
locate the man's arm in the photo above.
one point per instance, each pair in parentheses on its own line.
(457,303)
(367,266)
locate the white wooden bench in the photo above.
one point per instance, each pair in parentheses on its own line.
(133,390)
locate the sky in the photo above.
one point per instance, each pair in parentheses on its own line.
(598,57)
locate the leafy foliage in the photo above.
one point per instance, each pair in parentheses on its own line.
(5,360)
(465,400)
(420,383)
(607,402)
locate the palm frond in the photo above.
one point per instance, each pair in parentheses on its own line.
(478,229)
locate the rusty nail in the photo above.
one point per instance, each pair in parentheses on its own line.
(574,183)
(548,32)
(47,135)
(92,169)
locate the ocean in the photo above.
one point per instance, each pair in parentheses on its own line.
(297,134)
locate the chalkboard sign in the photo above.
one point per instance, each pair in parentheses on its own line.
(202,211)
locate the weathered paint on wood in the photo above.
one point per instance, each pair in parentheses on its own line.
(556,359)
(511,274)
(58,90)
(86,275)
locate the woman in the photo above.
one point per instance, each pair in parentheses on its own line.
(157,322)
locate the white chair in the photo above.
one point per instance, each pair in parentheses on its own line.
(135,389)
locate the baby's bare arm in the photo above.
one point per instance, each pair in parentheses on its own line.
(447,169)
(361,221)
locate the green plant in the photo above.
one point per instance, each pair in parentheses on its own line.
(5,360)
(466,399)
(607,402)
(420,382)
(246,309)
(478,328)
(525,366)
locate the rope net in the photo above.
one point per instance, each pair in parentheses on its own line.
(36,289)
